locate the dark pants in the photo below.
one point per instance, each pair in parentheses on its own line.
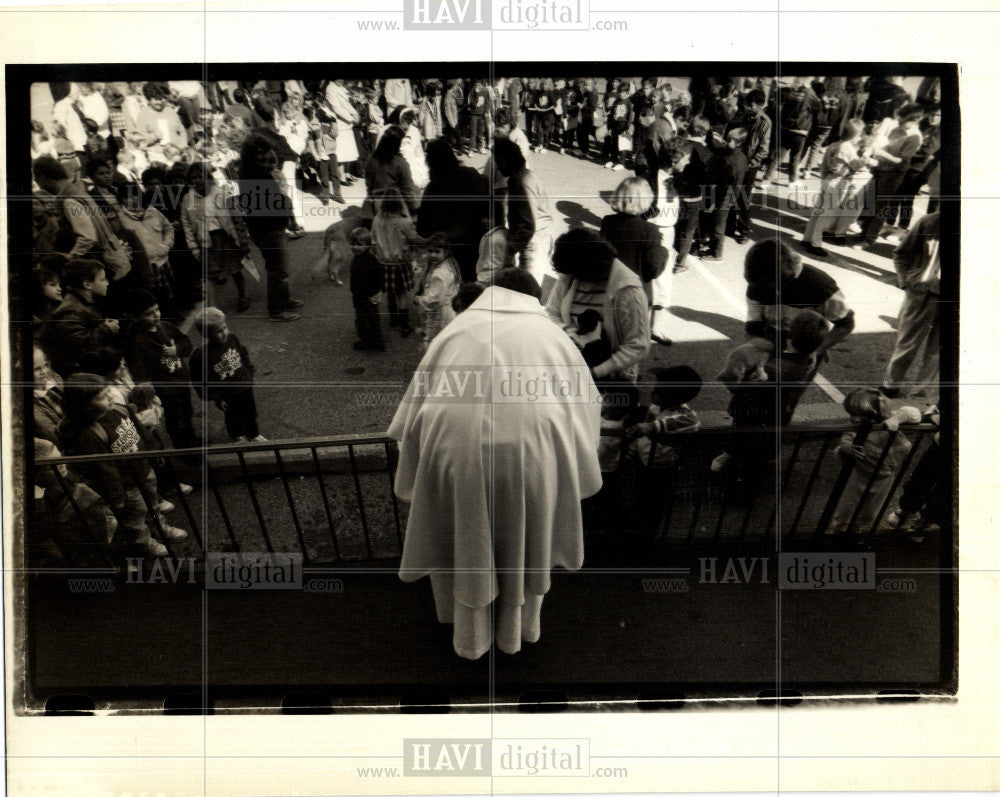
(241,414)
(367,321)
(720,218)
(477,129)
(687,226)
(568,136)
(273,246)
(329,176)
(743,223)
(794,145)
(901,205)
(546,124)
(611,151)
(398,317)
(886,185)
(583,133)
(921,491)
(454,137)
(177,412)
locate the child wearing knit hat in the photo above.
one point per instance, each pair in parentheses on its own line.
(877,449)
(222,372)
(157,352)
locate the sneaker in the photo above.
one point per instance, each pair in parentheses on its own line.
(286,315)
(711,256)
(608,165)
(295,234)
(661,341)
(837,240)
(720,462)
(163,505)
(294,304)
(617,168)
(155,547)
(680,269)
(260,439)
(815,251)
(855,228)
(185,489)
(172,532)
(241,439)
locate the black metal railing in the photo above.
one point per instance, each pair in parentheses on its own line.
(332,499)
(787,486)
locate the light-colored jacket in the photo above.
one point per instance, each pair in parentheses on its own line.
(625,314)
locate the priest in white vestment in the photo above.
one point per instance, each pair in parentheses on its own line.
(498,434)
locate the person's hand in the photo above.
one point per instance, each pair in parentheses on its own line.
(575,337)
(112,324)
(170,350)
(223,405)
(852,451)
(640,430)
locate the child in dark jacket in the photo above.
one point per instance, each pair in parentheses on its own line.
(223,373)
(157,352)
(367,280)
(728,172)
(93,426)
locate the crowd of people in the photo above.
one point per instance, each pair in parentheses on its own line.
(151,197)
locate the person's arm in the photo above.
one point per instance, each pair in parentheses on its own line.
(166,228)
(413,238)
(247,362)
(835,309)
(406,185)
(189,223)
(630,315)
(74,334)
(195,366)
(655,256)
(520,221)
(756,323)
(140,353)
(181,341)
(682,422)
(554,305)
(83,227)
(107,478)
(434,290)
(758,154)
(906,254)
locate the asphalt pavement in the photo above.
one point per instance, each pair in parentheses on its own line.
(311,382)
